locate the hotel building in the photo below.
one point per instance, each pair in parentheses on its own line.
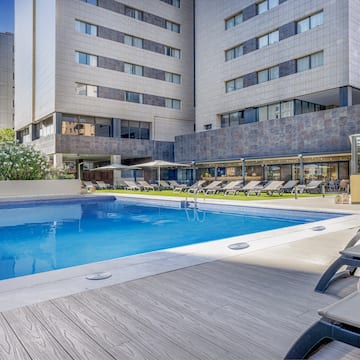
(101,81)
(277,88)
(6,80)
(273,85)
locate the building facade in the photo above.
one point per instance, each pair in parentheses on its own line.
(273,85)
(6,80)
(277,88)
(103,80)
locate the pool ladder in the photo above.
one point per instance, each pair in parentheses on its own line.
(189,205)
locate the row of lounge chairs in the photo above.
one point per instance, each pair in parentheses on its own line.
(339,321)
(251,188)
(217,186)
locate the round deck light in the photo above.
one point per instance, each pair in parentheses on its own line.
(98,276)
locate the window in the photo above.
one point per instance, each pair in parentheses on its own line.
(266,5)
(173,26)
(234,84)
(92,2)
(232,119)
(234,52)
(134,69)
(172,103)
(86,59)
(133,41)
(268,74)
(175,3)
(310,22)
(134,13)
(47,128)
(268,39)
(208,126)
(233,21)
(85,28)
(134,97)
(135,129)
(86,90)
(169,51)
(310,62)
(174,78)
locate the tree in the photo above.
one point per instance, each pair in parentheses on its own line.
(7,135)
(21,162)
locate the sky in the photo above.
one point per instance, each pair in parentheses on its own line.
(7,16)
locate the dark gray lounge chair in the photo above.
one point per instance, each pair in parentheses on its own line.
(350,256)
(339,322)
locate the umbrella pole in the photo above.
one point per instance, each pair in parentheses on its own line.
(159,177)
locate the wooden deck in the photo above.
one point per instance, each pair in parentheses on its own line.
(249,306)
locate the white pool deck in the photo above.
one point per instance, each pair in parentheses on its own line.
(201,302)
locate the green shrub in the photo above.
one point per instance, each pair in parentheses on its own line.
(21,162)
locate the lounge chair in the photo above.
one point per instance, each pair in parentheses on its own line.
(102,185)
(350,257)
(290,185)
(313,186)
(146,186)
(211,188)
(90,186)
(339,322)
(196,187)
(250,186)
(270,188)
(231,187)
(131,185)
(165,185)
(177,187)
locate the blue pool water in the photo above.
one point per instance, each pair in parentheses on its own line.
(47,235)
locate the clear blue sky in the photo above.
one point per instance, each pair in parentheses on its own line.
(7,16)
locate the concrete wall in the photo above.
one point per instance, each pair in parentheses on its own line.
(323,132)
(32,188)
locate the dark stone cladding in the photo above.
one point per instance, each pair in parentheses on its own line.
(322,132)
(110,34)
(120,8)
(250,79)
(287,68)
(154,100)
(249,46)
(128,148)
(118,94)
(249,12)
(114,35)
(112,5)
(111,93)
(111,64)
(118,65)
(287,30)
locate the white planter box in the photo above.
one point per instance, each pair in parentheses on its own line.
(39,187)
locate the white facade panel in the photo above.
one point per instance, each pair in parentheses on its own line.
(23,63)
(6,80)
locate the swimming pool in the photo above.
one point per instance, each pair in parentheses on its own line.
(41,236)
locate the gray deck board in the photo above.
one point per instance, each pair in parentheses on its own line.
(251,306)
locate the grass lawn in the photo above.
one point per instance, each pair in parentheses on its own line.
(221,196)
